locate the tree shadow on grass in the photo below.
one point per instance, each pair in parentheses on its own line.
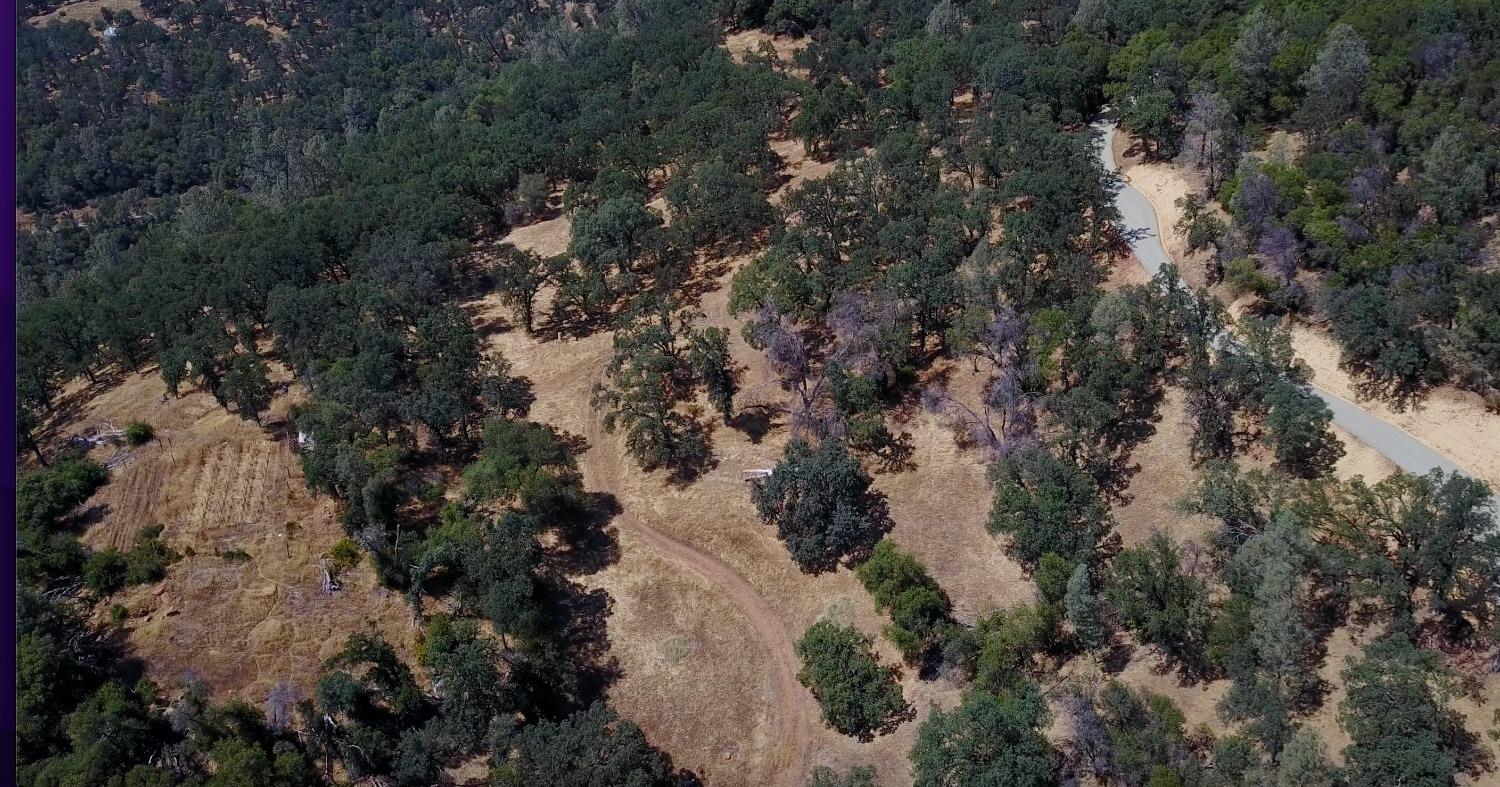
(589,543)
(1116,656)
(755,421)
(582,616)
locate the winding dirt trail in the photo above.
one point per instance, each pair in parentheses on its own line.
(604,466)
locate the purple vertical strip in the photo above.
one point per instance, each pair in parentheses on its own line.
(8,750)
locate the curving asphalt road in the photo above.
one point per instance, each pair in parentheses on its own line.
(1138,218)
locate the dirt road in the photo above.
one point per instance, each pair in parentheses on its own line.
(604,466)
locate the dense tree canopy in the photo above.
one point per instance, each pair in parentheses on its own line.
(819,498)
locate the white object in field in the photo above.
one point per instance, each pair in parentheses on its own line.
(756,474)
(105,432)
(330,582)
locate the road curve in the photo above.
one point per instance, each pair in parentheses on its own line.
(1139,220)
(793,710)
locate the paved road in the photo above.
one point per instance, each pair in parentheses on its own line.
(1139,220)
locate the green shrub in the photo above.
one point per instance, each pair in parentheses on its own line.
(1051,577)
(1243,276)
(109,570)
(148,561)
(901,586)
(104,573)
(1005,647)
(345,554)
(858,694)
(139,433)
(235,555)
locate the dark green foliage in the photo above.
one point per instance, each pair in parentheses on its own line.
(46,496)
(473,690)
(328,192)
(1476,331)
(1433,532)
(1007,648)
(55,669)
(367,699)
(1243,501)
(591,747)
(988,739)
(1164,604)
(1304,762)
(831,119)
(28,426)
(1396,716)
(1046,505)
(110,734)
(884,219)
(1383,344)
(708,354)
(650,373)
(857,398)
(1264,379)
(493,567)
(43,498)
(1146,81)
(1147,737)
(860,697)
(1084,611)
(716,205)
(1051,577)
(900,585)
(138,433)
(821,503)
(526,461)
(246,386)
(520,276)
(148,560)
(104,573)
(450,373)
(1269,662)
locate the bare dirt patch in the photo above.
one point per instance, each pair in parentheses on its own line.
(218,483)
(745,43)
(547,238)
(702,588)
(1448,420)
(88,11)
(1166,473)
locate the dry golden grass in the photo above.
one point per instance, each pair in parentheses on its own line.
(706,601)
(217,482)
(88,11)
(1450,421)
(753,42)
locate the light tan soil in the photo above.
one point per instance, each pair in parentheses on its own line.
(1450,421)
(88,11)
(216,483)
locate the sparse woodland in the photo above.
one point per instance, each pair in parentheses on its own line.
(213,188)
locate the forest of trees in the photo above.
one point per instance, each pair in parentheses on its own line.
(220,190)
